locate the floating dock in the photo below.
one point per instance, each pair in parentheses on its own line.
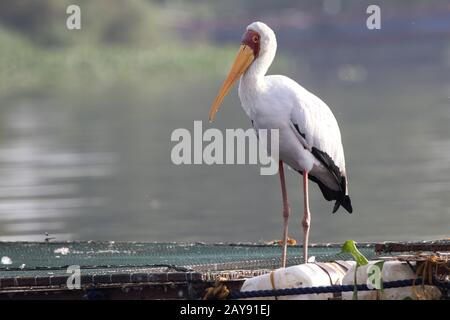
(136,270)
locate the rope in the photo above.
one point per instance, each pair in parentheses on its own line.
(324,289)
(218,292)
(106,266)
(428,272)
(272,282)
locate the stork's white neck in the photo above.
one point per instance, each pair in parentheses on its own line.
(252,81)
(258,69)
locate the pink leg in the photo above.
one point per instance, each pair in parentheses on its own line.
(286,213)
(306,222)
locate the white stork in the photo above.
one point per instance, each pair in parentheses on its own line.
(309,136)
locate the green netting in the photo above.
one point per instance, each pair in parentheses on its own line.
(43,259)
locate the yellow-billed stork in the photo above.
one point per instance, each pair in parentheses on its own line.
(309,136)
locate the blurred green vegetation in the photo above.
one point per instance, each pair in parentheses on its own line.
(120,44)
(133,44)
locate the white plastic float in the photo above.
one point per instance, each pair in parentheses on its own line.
(304,275)
(322,274)
(392,270)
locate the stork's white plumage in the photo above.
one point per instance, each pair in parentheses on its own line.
(309,136)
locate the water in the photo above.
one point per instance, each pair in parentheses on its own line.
(99,168)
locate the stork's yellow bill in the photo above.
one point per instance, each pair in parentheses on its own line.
(243,60)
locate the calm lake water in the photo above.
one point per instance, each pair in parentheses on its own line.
(99,168)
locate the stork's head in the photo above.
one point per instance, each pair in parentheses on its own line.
(261,39)
(258,47)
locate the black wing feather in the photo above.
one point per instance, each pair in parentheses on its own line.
(330,194)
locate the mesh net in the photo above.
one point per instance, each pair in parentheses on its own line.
(53,258)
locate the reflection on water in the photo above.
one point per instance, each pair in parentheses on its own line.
(100,169)
(39,177)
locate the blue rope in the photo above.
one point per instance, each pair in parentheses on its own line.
(324,289)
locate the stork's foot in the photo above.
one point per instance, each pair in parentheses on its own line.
(290,242)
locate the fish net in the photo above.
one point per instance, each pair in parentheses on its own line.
(28,259)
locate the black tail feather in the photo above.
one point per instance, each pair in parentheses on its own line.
(341,198)
(345,202)
(329,194)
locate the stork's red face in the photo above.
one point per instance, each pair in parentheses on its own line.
(248,52)
(251,38)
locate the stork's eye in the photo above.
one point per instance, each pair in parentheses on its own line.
(255,39)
